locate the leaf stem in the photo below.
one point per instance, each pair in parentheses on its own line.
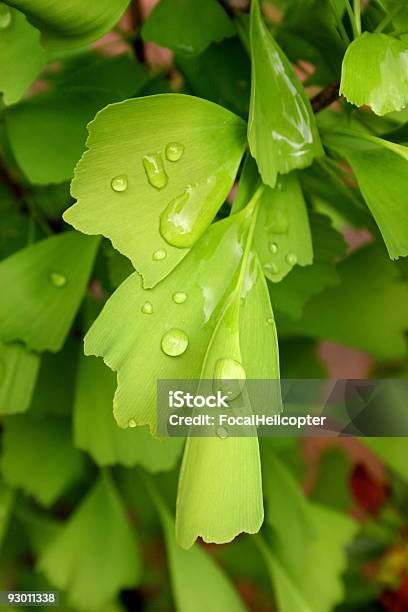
(340,25)
(357,15)
(388,18)
(352,18)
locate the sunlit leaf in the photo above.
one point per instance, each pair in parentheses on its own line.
(381,169)
(282,234)
(39,458)
(353,312)
(128,142)
(71,24)
(21,56)
(374,73)
(18,373)
(198,583)
(56,119)
(45,285)
(96,432)
(107,558)
(282,133)
(174,24)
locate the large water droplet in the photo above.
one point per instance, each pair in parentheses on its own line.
(58,279)
(186,216)
(222,433)
(278,222)
(147,308)
(179,297)
(291,259)
(119,183)
(159,254)
(273,247)
(230,374)
(5,16)
(132,423)
(174,151)
(174,342)
(155,172)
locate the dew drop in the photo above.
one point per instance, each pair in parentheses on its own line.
(291,259)
(155,172)
(273,247)
(270,321)
(132,423)
(272,268)
(58,279)
(5,16)
(119,183)
(159,254)
(231,375)
(174,151)
(222,433)
(147,308)
(174,342)
(179,297)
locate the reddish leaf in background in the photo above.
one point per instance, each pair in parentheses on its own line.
(369,492)
(396,601)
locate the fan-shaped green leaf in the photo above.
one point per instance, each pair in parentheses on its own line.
(57,118)
(96,432)
(375,73)
(45,285)
(175,24)
(381,169)
(127,145)
(18,373)
(282,132)
(282,235)
(198,583)
(38,457)
(21,56)
(95,554)
(64,25)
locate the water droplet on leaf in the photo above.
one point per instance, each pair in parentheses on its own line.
(174,151)
(179,297)
(147,308)
(273,247)
(132,423)
(291,259)
(174,342)
(222,433)
(155,172)
(231,374)
(159,254)
(5,16)
(119,183)
(272,268)
(58,279)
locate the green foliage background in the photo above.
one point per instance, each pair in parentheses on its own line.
(206,200)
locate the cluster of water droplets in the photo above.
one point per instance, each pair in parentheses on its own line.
(278,226)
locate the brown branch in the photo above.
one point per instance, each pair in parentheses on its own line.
(326,97)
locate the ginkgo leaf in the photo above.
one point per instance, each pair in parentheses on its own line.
(45,285)
(371,285)
(107,559)
(198,583)
(71,24)
(21,56)
(39,458)
(96,432)
(61,114)
(375,73)
(381,169)
(18,374)
(282,132)
(282,235)
(130,330)
(221,475)
(156,172)
(174,24)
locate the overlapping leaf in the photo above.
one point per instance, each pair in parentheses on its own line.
(45,285)
(107,558)
(174,24)
(381,169)
(71,24)
(128,141)
(96,432)
(18,374)
(21,56)
(375,73)
(282,132)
